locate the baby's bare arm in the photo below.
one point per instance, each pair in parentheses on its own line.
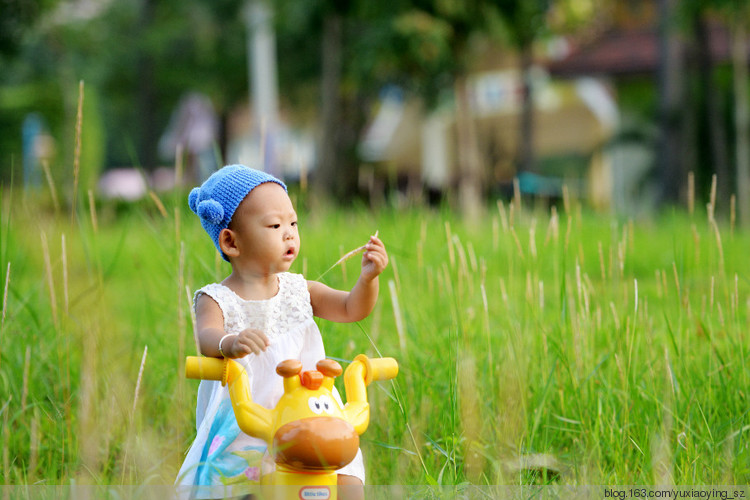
(210,326)
(346,307)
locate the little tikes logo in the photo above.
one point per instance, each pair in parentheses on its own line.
(315,493)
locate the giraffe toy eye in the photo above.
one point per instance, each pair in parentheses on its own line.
(327,404)
(315,405)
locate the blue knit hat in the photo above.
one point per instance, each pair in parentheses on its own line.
(217,199)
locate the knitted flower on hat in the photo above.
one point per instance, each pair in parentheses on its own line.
(217,199)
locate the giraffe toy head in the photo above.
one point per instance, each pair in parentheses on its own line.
(310,429)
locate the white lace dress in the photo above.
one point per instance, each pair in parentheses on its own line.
(221,454)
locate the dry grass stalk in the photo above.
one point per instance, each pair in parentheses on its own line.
(50,280)
(77,152)
(396,274)
(138,383)
(719,245)
(553,228)
(303,174)
(178,165)
(691,193)
(92,212)
(664,282)
(420,246)
(25,386)
(736,301)
(659,289)
(51,185)
(343,268)
(614,315)
(181,323)
(158,203)
(517,195)
(541,295)
(33,446)
(518,242)
(696,242)
(676,280)
(503,215)
(192,319)
(566,198)
(464,276)
(5,296)
(529,288)
(6,447)
(495,234)
(712,201)
(64,256)
(346,257)
(397,315)
(449,241)
(635,297)
(472,257)
(532,239)
(504,292)
(602,268)
(732,213)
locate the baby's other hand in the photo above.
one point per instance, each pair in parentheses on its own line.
(246,342)
(375,258)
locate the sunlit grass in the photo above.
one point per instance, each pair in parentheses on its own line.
(535,345)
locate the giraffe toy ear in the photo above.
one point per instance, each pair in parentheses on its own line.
(289,368)
(329,368)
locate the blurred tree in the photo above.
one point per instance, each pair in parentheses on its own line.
(525,22)
(437,35)
(343,56)
(670,157)
(16,18)
(739,16)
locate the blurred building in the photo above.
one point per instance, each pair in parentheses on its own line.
(573,120)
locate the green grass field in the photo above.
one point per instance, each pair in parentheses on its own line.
(534,346)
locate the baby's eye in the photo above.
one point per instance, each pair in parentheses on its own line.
(294,223)
(275,226)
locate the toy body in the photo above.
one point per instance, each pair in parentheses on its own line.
(309,435)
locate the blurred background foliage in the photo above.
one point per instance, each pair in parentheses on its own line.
(139,58)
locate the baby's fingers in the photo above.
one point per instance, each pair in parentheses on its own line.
(255,340)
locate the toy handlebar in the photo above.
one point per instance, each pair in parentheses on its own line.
(362,371)
(204,368)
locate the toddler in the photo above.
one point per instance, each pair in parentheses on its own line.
(260,315)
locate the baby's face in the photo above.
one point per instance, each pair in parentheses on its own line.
(265,225)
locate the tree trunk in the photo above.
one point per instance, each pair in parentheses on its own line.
(526,157)
(146,98)
(741,117)
(670,77)
(714,122)
(470,175)
(329,159)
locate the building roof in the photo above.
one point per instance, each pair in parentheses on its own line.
(622,52)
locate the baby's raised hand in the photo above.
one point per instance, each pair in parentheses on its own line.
(375,258)
(246,342)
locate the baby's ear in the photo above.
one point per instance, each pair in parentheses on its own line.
(228,243)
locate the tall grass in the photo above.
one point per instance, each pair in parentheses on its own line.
(535,345)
